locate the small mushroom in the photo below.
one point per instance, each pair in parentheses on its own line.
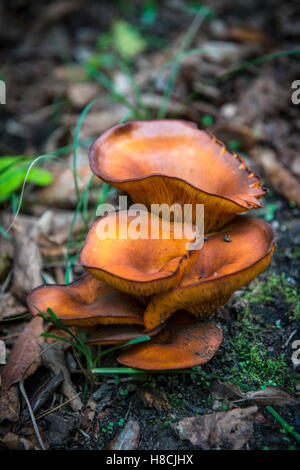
(171,161)
(139,266)
(220,269)
(86,302)
(183,343)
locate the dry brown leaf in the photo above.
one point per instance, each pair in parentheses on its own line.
(10,307)
(54,359)
(62,191)
(268,396)
(272,396)
(95,122)
(81,94)
(89,414)
(127,439)
(14,442)
(55,226)
(231,428)
(230,130)
(248,34)
(224,390)
(154,398)
(27,258)
(9,404)
(277,175)
(25,349)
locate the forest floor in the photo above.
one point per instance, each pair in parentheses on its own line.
(57,60)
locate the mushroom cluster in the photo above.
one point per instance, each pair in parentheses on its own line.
(161,287)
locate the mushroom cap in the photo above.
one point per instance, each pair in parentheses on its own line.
(183,343)
(86,302)
(185,165)
(220,269)
(142,266)
(115,334)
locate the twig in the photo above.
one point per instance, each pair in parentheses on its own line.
(42,415)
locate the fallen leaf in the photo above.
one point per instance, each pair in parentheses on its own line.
(248,34)
(224,390)
(14,442)
(225,429)
(10,307)
(277,175)
(41,395)
(230,130)
(268,396)
(61,427)
(54,359)
(154,398)
(264,97)
(25,349)
(127,439)
(89,414)
(272,396)
(62,191)
(55,226)
(81,94)
(95,122)
(27,258)
(9,404)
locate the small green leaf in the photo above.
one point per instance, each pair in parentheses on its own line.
(13,171)
(127,40)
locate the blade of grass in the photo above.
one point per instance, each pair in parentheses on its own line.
(188,38)
(41,157)
(68,268)
(18,317)
(61,338)
(77,210)
(283,422)
(136,89)
(76,140)
(108,84)
(120,346)
(5,234)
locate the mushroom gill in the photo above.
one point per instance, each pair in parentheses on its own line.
(120,250)
(173,162)
(228,260)
(86,302)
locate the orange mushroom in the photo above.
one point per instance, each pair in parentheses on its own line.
(183,343)
(164,162)
(171,161)
(86,302)
(229,259)
(140,266)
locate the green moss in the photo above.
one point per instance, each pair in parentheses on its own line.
(279,285)
(253,364)
(296,252)
(175,402)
